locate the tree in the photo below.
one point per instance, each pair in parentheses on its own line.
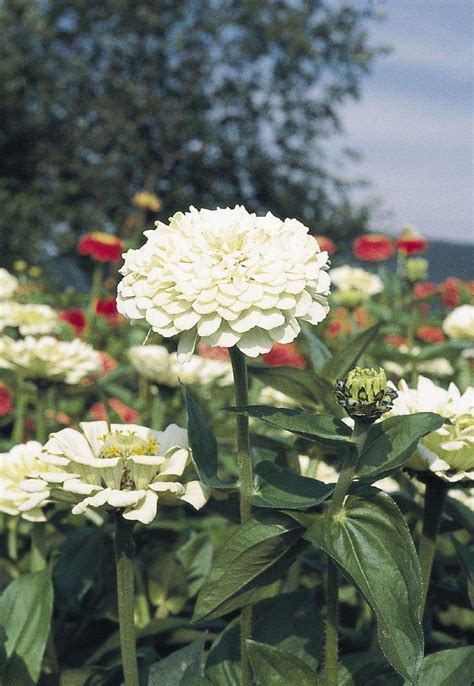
(205,102)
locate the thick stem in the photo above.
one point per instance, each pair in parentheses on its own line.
(332,589)
(244,457)
(41,418)
(435,497)
(38,547)
(332,611)
(124,556)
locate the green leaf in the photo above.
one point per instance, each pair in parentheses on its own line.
(253,557)
(308,388)
(391,443)
(196,557)
(448,668)
(281,489)
(25,613)
(203,445)
(179,668)
(466,557)
(320,428)
(318,352)
(275,667)
(346,358)
(80,558)
(287,621)
(371,543)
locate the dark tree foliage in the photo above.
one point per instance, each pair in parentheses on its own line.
(205,102)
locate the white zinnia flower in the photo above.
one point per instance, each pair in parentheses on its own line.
(8,284)
(48,358)
(348,278)
(122,466)
(449,451)
(154,362)
(29,319)
(228,277)
(460,323)
(15,466)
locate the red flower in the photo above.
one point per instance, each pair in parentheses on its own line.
(76,319)
(451,291)
(373,247)
(339,324)
(411,243)
(102,247)
(212,353)
(127,414)
(430,334)
(107,308)
(424,289)
(362,317)
(326,244)
(107,362)
(395,339)
(284,355)
(6,400)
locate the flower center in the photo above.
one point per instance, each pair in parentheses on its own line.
(120,444)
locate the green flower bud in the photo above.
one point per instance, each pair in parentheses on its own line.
(416,269)
(350,297)
(365,394)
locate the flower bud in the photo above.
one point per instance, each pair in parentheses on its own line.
(416,269)
(364,394)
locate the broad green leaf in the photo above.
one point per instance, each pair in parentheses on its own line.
(279,488)
(346,357)
(253,557)
(80,558)
(196,557)
(308,388)
(318,352)
(25,615)
(370,541)
(391,443)
(448,668)
(287,621)
(368,669)
(275,667)
(320,428)
(203,445)
(181,667)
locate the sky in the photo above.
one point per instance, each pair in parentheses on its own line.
(414,125)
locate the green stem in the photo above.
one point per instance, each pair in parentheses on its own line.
(244,458)
(124,556)
(12,537)
(332,612)
(20,415)
(435,497)
(41,418)
(38,557)
(332,588)
(96,287)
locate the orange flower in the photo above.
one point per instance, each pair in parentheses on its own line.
(430,334)
(127,414)
(410,243)
(107,308)
(107,362)
(362,317)
(102,247)
(424,290)
(326,244)
(339,324)
(216,353)
(373,247)
(284,355)
(147,201)
(396,340)
(76,319)
(451,292)
(6,400)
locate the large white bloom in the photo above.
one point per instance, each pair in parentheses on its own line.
(29,319)
(348,278)
(48,358)
(460,323)
(122,466)
(8,284)
(449,451)
(15,466)
(228,277)
(154,362)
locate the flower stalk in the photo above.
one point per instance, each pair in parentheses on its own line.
(124,547)
(244,457)
(435,498)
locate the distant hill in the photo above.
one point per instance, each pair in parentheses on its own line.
(450,259)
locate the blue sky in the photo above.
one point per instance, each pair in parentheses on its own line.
(415,122)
